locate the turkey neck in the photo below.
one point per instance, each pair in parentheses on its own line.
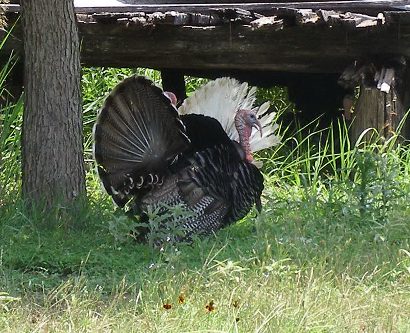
(244,132)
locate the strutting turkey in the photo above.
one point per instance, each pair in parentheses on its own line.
(151,156)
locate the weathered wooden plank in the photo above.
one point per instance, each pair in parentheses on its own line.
(350,20)
(284,17)
(363,6)
(235,46)
(163,40)
(306,17)
(176,18)
(267,22)
(295,49)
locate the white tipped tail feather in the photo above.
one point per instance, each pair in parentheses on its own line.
(221,99)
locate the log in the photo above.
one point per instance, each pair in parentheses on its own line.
(292,40)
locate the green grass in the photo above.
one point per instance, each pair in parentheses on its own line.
(329,253)
(303,265)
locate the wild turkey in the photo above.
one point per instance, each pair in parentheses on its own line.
(151,157)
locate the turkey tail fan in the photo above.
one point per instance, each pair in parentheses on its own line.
(137,135)
(221,99)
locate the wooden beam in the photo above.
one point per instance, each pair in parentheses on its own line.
(363,6)
(238,47)
(291,41)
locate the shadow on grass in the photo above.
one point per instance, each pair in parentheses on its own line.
(39,251)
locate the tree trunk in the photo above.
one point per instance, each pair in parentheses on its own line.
(53,164)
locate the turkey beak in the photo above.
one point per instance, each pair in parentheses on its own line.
(258,126)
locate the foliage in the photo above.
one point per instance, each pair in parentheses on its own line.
(10,128)
(305,264)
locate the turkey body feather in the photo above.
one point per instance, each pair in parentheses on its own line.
(138,134)
(214,189)
(150,157)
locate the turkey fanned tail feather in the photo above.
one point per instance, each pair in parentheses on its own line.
(138,134)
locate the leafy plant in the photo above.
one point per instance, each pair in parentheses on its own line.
(164,224)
